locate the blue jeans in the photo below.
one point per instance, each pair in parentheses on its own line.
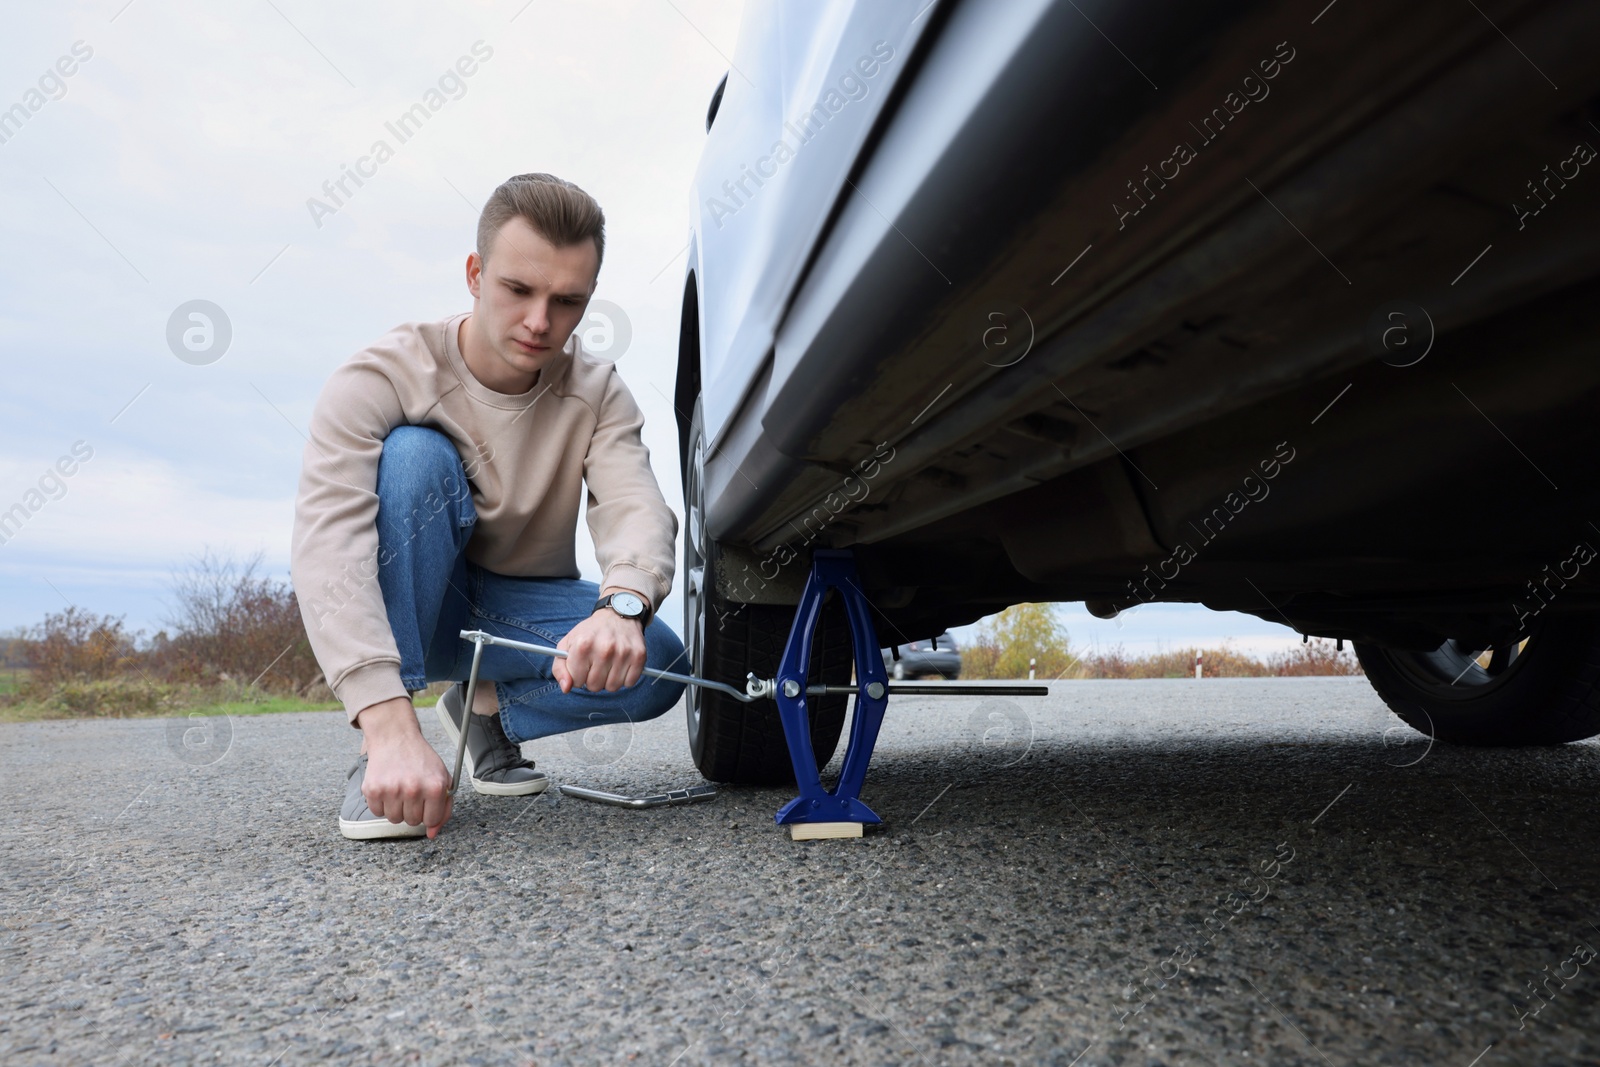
(431,593)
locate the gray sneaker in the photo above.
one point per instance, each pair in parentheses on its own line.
(356,820)
(494,765)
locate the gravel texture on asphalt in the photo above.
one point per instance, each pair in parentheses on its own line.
(1268,871)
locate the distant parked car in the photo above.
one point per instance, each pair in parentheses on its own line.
(935,658)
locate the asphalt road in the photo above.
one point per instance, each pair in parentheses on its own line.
(1052,885)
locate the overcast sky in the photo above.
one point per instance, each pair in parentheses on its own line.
(168,154)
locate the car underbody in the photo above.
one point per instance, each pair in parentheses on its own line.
(1088,365)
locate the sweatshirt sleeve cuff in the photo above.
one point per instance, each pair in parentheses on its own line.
(369,685)
(647,582)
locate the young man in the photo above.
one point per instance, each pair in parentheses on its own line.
(439,492)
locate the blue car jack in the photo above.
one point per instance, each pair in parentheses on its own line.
(816,812)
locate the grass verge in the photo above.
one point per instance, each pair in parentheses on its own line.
(22,710)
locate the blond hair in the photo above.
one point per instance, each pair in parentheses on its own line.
(558,211)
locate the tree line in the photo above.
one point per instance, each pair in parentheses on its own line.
(230,636)
(1004,647)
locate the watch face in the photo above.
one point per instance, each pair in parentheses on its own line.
(628,604)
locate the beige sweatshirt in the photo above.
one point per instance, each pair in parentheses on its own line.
(526,458)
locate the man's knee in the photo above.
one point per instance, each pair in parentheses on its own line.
(420,471)
(418,455)
(663,652)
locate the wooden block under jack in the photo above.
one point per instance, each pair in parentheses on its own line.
(815,831)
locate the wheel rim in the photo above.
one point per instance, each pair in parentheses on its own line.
(694,570)
(1456,670)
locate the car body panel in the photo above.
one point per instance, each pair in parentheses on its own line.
(1179,341)
(751,240)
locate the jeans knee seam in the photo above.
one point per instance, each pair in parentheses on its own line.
(525,697)
(540,631)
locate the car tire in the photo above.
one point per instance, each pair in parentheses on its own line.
(1542,690)
(899,671)
(729,740)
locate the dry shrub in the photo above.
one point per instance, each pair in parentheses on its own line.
(115,697)
(1221,662)
(1113,663)
(76,645)
(235,638)
(978,658)
(1319,656)
(231,626)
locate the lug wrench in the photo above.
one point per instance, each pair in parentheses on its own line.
(755,689)
(676,796)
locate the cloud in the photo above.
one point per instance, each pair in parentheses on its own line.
(1164,627)
(177,168)
(141,511)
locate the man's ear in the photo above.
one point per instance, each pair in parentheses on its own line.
(474,274)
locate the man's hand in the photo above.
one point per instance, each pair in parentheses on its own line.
(406,781)
(604,651)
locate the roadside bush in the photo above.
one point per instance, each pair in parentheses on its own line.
(234,638)
(1002,649)
(1020,633)
(1319,656)
(1220,662)
(231,626)
(76,645)
(978,658)
(114,697)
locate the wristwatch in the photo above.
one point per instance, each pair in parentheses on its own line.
(627,605)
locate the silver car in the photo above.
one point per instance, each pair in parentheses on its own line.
(1280,312)
(935,657)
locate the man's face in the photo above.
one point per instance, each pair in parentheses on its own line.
(530,295)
